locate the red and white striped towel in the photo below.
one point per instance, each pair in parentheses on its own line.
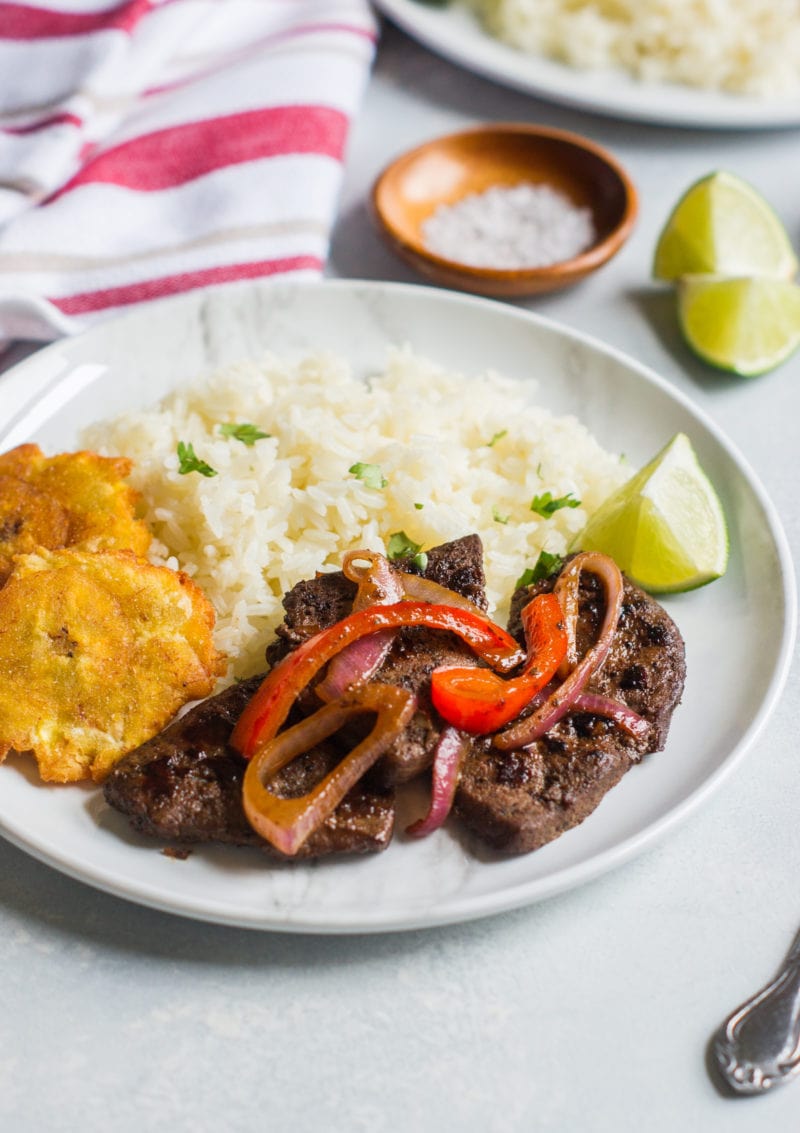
(149,147)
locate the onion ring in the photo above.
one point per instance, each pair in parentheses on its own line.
(447,759)
(378,585)
(526,731)
(567,590)
(288,823)
(426,590)
(623,716)
(269,706)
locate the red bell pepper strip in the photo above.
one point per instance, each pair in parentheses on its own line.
(478,701)
(270,705)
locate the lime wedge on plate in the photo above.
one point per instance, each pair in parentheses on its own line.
(746,326)
(665,527)
(722,226)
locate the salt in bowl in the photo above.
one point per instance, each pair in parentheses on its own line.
(446,170)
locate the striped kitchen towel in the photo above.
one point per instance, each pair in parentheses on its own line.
(149,147)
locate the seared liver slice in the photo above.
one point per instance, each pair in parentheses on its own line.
(416,652)
(518,801)
(185,786)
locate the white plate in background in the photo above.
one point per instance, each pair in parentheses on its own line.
(454,31)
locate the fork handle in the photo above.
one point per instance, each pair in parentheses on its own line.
(758,1045)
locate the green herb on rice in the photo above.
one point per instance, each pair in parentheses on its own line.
(546,505)
(189,461)
(246,433)
(370,475)
(399,546)
(546,565)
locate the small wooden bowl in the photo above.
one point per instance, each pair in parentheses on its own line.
(446,169)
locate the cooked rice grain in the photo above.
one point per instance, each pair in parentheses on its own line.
(746,46)
(281,509)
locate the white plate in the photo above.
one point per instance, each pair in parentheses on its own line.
(454,31)
(738,631)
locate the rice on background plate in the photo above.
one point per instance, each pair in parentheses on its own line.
(459,455)
(745,46)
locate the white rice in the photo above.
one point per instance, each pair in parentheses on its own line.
(281,509)
(748,46)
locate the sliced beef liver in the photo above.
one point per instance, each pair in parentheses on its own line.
(518,801)
(416,652)
(185,786)
(319,602)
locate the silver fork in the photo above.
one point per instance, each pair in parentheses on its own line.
(758,1045)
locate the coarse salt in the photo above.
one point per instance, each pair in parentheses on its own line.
(507,228)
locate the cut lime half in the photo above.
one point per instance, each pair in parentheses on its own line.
(745,326)
(665,527)
(722,226)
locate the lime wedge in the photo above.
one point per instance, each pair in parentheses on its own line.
(665,527)
(745,326)
(722,226)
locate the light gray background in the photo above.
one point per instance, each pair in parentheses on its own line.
(589,1012)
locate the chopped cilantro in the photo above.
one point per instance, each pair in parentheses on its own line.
(497,437)
(419,507)
(246,433)
(369,474)
(545,505)
(401,547)
(525,579)
(189,461)
(546,565)
(498,517)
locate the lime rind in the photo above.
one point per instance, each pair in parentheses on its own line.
(746,325)
(665,527)
(722,225)
(732,260)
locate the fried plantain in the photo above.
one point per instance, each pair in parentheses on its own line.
(87,490)
(29,518)
(98,651)
(21,461)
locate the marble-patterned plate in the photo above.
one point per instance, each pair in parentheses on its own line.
(738,631)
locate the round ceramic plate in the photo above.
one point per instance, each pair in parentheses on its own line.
(454,31)
(738,631)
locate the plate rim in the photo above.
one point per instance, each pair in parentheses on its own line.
(521,894)
(505,65)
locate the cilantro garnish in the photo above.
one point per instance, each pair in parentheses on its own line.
(369,474)
(419,507)
(400,546)
(546,565)
(246,433)
(545,505)
(496,438)
(189,461)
